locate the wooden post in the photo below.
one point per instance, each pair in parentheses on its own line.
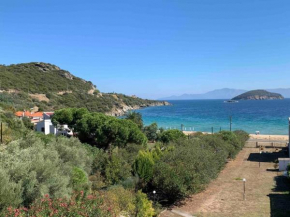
(244,181)
(1,137)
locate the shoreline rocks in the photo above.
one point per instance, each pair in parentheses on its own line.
(125,108)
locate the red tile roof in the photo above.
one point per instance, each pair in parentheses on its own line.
(28,114)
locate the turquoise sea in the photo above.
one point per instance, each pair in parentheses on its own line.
(266,116)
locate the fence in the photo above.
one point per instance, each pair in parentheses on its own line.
(269,144)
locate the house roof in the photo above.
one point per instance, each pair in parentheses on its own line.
(28,114)
(49,113)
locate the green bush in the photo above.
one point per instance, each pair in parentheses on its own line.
(78,205)
(136,118)
(171,136)
(34,168)
(144,165)
(151,132)
(79,179)
(191,164)
(143,206)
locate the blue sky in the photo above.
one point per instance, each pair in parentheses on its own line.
(153,48)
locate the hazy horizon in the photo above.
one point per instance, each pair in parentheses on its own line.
(154,49)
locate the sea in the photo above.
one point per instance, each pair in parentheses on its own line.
(266,116)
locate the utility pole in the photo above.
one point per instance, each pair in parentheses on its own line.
(231,123)
(289,140)
(212,130)
(1,134)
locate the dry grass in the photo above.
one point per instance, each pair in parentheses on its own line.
(266,191)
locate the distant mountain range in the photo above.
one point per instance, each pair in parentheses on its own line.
(225,93)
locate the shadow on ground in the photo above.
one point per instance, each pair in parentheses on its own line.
(280,198)
(267,156)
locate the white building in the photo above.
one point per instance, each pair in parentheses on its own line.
(47,127)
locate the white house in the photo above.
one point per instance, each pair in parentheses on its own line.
(47,127)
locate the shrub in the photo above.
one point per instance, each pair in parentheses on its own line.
(135,117)
(78,205)
(151,132)
(171,135)
(124,199)
(116,169)
(143,206)
(34,168)
(242,136)
(144,165)
(189,167)
(78,178)
(233,140)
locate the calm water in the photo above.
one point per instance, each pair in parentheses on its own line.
(268,117)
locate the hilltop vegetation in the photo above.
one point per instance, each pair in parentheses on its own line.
(258,95)
(48,87)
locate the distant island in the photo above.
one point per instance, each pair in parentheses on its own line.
(258,95)
(225,93)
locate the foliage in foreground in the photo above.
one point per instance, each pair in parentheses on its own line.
(110,180)
(191,164)
(29,169)
(114,202)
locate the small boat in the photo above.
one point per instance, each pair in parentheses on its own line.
(231,101)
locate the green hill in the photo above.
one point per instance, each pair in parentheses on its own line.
(48,87)
(258,95)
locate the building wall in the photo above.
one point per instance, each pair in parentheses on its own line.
(47,126)
(283,163)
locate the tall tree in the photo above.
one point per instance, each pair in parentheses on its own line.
(136,117)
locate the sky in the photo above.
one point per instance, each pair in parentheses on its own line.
(153,48)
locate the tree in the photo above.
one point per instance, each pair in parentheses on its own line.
(69,116)
(144,165)
(27,123)
(105,131)
(136,117)
(171,135)
(151,132)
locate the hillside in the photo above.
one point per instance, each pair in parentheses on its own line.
(49,87)
(258,95)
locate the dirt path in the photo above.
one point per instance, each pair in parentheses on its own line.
(224,196)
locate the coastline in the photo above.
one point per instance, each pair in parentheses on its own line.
(125,108)
(252,136)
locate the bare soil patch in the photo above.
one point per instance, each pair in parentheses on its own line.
(39,97)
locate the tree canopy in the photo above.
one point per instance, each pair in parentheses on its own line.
(99,129)
(136,117)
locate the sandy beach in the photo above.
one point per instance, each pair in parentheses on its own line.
(270,137)
(252,136)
